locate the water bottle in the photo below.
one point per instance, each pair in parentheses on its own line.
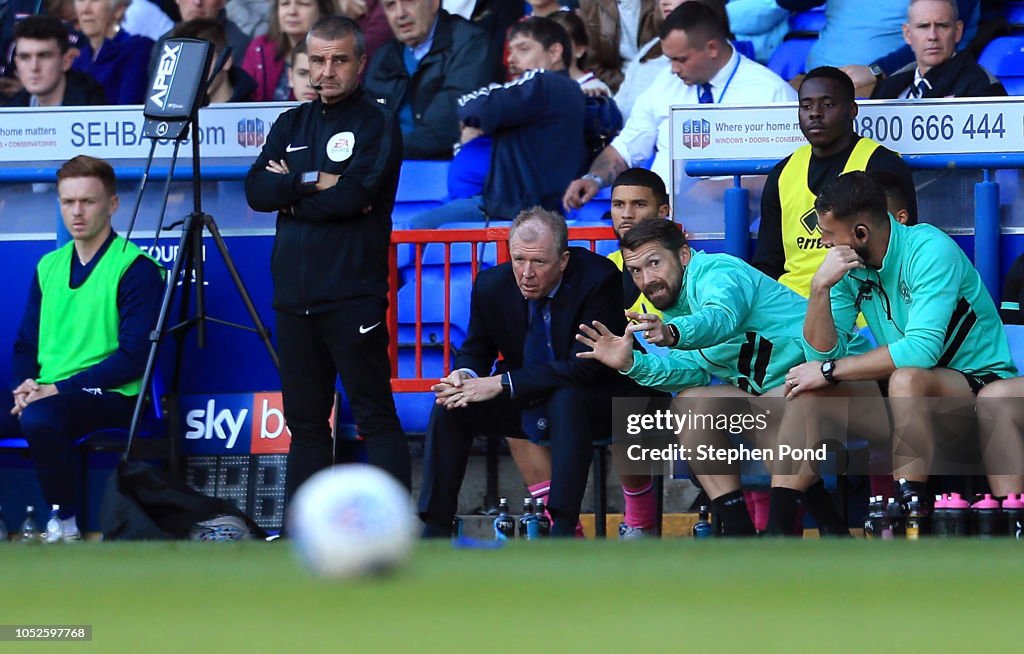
(915,519)
(959,515)
(528,521)
(892,523)
(456,528)
(3,527)
(702,528)
(1013,513)
(873,520)
(54,527)
(504,524)
(29,528)
(940,517)
(543,521)
(986,517)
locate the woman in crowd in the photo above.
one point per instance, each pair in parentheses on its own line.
(267,57)
(116,59)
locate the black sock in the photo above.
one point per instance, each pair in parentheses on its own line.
(819,504)
(731,509)
(782,511)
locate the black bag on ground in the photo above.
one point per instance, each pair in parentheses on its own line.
(143,503)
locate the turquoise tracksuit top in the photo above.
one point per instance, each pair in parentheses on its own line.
(927,303)
(735,323)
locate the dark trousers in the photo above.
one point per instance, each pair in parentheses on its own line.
(576,417)
(52,426)
(351,342)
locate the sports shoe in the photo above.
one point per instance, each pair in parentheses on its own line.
(633,533)
(72,537)
(224,527)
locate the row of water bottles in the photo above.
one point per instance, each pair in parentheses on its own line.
(532,524)
(29,531)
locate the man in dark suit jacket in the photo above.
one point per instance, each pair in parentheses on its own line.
(434,59)
(539,389)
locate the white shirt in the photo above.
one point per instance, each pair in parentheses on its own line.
(463,8)
(646,132)
(629,28)
(639,76)
(911,92)
(146,19)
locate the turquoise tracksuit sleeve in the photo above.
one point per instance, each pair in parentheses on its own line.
(677,371)
(935,290)
(718,309)
(844,314)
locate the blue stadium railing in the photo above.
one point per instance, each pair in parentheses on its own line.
(986,200)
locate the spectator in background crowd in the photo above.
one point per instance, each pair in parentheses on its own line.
(232,84)
(82,345)
(644,68)
(705,69)
(789,243)
(933,30)
(251,16)
(762,22)
(145,18)
(544,8)
(238,40)
(433,59)
(866,38)
(866,75)
(617,30)
(369,15)
(116,59)
(43,64)
(266,58)
(536,122)
(302,88)
(573,24)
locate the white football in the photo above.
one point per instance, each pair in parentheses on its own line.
(350,520)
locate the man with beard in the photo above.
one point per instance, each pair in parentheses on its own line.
(728,320)
(938,330)
(789,246)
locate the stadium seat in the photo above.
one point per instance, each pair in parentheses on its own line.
(1015,335)
(1014,14)
(790,58)
(423,185)
(807,23)
(1004,58)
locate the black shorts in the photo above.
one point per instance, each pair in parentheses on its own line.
(978,382)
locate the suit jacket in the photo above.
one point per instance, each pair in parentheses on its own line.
(959,77)
(591,289)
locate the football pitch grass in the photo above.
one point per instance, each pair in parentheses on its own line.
(585,596)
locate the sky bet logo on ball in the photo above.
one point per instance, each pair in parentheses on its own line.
(235,424)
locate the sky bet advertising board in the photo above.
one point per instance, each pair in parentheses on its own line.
(240,423)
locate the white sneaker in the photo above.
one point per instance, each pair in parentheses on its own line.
(633,533)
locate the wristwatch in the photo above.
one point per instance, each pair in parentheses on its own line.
(595,178)
(828,369)
(309,180)
(673,333)
(506,384)
(877,71)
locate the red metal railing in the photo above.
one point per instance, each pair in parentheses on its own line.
(418,241)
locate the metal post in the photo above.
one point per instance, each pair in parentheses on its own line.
(737,220)
(986,233)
